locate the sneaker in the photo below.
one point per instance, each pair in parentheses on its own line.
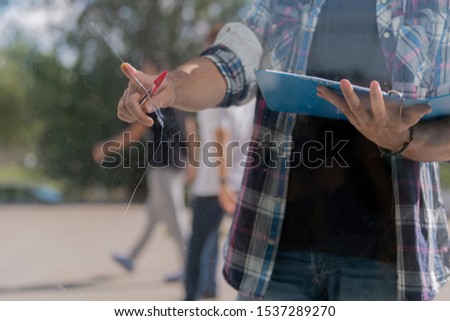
(125,262)
(204,296)
(175,277)
(209,295)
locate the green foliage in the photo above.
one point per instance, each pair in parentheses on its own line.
(445,175)
(15,105)
(64,111)
(78,112)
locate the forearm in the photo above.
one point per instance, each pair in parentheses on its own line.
(193,141)
(198,84)
(130,135)
(431,141)
(223,75)
(222,137)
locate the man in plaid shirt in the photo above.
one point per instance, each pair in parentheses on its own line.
(371,226)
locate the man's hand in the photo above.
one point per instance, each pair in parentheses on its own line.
(98,154)
(227,199)
(387,125)
(193,86)
(129,109)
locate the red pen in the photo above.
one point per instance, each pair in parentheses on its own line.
(157,82)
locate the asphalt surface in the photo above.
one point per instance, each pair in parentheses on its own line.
(63,252)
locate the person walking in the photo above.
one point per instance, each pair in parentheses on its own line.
(167,150)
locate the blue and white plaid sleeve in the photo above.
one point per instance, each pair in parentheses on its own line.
(236,53)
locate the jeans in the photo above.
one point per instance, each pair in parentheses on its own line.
(166,205)
(202,253)
(317,276)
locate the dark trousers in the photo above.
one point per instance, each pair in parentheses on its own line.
(202,253)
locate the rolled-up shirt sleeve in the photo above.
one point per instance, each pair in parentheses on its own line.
(237,53)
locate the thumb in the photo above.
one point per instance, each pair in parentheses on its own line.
(415,113)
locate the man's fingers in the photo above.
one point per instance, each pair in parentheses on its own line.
(122,111)
(336,100)
(332,97)
(137,77)
(134,108)
(125,116)
(352,99)
(412,114)
(129,108)
(377,101)
(129,71)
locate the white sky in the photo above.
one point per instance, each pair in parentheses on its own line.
(44,24)
(40,24)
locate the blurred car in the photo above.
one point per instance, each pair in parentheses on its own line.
(29,193)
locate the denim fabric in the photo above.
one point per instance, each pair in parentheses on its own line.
(415,38)
(203,248)
(207,285)
(318,276)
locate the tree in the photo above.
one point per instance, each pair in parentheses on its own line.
(79,105)
(15,86)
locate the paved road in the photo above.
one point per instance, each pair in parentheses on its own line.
(63,252)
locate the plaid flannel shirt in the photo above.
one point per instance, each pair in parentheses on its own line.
(415,39)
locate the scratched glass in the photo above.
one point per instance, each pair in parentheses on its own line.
(67,202)
(70,196)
